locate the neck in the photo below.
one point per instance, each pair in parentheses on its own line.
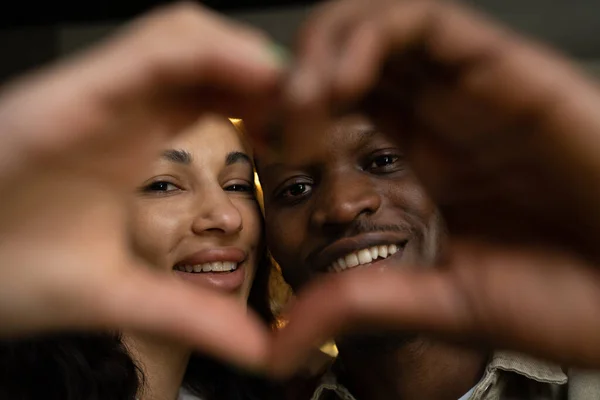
(162,362)
(416,370)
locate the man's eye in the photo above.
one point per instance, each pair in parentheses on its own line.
(296,190)
(383,161)
(160,186)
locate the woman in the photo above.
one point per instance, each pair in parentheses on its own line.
(196,216)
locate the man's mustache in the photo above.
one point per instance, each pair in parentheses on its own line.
(363,226)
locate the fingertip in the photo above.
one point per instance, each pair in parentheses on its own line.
(358,66)
(156,303)
(302,89)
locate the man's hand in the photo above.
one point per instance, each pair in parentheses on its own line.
(73,141)
(505,137)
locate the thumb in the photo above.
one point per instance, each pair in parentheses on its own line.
(363,299)
(541,302)
(209,321)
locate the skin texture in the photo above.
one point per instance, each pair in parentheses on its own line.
(501,132)
(193,199)
(349,189)
(347,183)
(77,137)
(182,208)
(503,135)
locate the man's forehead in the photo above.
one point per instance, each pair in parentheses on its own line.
(355,123)
(345,133)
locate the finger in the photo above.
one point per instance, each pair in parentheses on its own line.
(317,50)
(186,45)
(363,50)
(175,50)
(205,319)
(542,304)
(361,300)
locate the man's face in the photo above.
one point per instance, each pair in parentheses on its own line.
(342,200)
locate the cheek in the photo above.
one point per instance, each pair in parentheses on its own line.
(286,240)
(413,199)
(251,222)
(154,232)
(280,236)
(411,193)
(251,235)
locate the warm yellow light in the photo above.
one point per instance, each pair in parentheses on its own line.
(330,349)
(257,181)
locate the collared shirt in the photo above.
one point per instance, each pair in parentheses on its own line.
(467,395)
(184,394)
(508,376)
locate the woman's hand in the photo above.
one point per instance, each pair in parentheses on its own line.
(74,139)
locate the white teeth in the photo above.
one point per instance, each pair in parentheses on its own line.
(335,267)
(217,266)
(383,251)
(351,260)
(361,257)
(374,253)
(364,256)
(229,266)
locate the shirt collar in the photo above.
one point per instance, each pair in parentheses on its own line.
(527,366)
(501,361)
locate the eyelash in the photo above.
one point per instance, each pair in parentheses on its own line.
(290,199)
(154,187)
(240,187)
(164,187)
(390,166)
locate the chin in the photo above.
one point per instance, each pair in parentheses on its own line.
(376,342)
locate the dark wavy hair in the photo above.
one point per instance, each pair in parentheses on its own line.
(97,366)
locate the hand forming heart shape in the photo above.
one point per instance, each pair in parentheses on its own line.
(502,133)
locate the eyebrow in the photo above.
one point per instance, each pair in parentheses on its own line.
(185,157)
(366,134)
(363,135)
(178,156)
(236,157)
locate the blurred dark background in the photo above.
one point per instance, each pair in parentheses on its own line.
(32,33)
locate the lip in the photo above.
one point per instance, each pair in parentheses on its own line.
(221,281)
(323,257)
(213,255)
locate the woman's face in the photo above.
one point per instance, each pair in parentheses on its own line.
(196,213)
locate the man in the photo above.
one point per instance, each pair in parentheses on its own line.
(470,84)
(502,134)
(347,199)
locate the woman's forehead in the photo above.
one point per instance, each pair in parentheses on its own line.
(210,134)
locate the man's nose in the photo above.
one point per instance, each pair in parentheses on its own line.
(343,198)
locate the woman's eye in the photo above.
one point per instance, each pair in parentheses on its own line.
(238,187)
(160,186)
